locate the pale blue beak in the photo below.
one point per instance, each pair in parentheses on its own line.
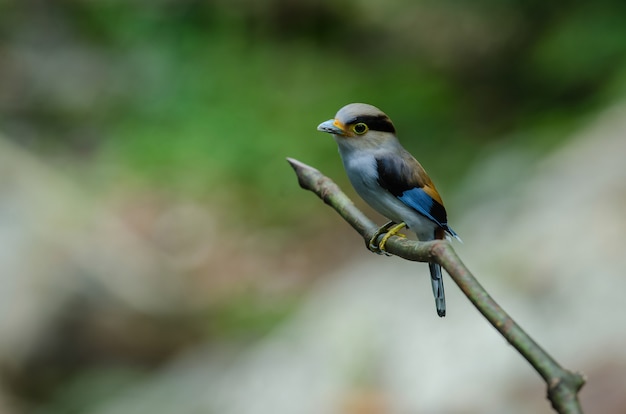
(332,126)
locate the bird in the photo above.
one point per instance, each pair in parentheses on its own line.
(391,181)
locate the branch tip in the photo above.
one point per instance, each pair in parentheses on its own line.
(298,168)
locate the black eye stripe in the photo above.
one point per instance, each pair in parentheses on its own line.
(374,122)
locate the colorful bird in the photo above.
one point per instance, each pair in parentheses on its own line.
(390,180)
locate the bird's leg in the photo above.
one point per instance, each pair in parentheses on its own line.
(389,229)
(372,245)
(393,231)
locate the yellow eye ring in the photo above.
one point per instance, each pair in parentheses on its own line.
(360,128)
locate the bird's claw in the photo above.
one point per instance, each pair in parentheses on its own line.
(389,229)
(372,245)
(391,232)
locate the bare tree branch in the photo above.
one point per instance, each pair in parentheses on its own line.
(563,385)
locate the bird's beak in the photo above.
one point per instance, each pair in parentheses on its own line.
(332,126)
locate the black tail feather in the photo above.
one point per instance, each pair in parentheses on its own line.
(437,283)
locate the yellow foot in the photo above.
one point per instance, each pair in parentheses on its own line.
(391,232)
(389,229)
(372,245)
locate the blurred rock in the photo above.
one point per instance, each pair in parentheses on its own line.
(76,284)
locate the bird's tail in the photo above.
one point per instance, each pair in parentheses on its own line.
(437,282)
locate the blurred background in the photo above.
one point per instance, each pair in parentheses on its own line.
(158,256)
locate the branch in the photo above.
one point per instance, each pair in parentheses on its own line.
(563,385)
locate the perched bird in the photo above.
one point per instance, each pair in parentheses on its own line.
(390,180)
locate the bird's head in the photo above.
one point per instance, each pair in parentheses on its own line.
(359,125)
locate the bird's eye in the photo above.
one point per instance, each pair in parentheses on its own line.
(360,128)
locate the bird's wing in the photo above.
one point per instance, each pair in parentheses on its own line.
(406,179)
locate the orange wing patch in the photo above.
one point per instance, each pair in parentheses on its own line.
(432,192)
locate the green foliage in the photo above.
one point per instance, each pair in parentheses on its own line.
(249,316)
(580,51)
(208,98)
(91,387)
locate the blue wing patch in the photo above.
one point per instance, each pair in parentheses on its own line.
(405,179)
(425,205)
